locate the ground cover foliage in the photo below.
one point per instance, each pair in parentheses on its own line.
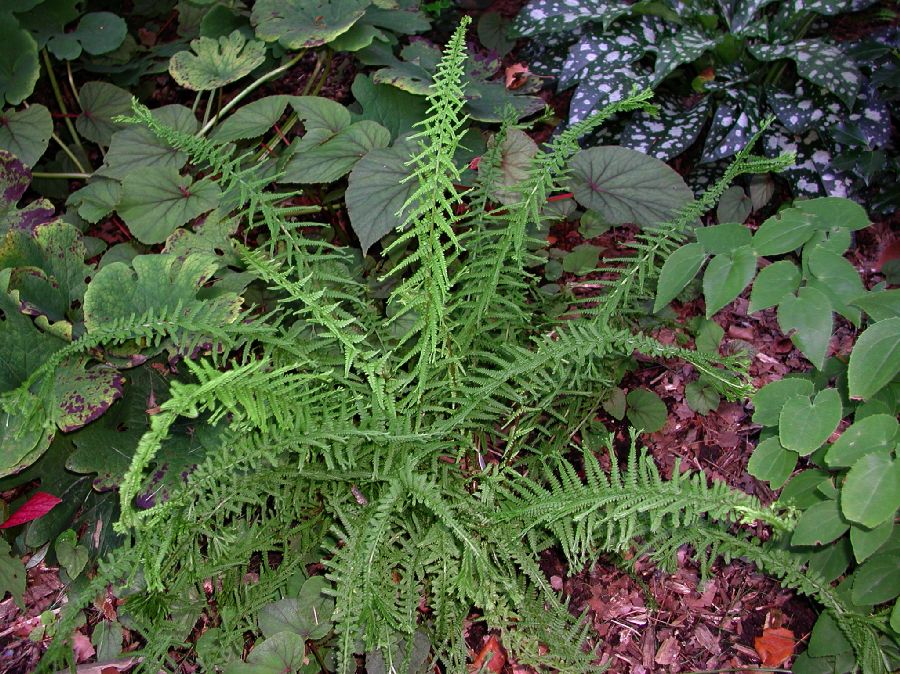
(281,452)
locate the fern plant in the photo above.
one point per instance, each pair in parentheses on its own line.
(419,447)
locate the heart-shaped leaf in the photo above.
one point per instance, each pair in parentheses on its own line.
(100,103)
(71,556)
(377,191)
(734,206)
(216,63)
(624,185)
(515,163)
(701,397)
(804,426)
(645,410)
(726,277)
(156,202)
(26,133)
(677,271)
(300,24)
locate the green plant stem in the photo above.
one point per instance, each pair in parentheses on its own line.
(249,89)
(196,102)
(208,109)
(60,176)
(323,60)
(57,93)
(71,154)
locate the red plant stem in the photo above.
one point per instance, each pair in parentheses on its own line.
(64,115)
(560,197)
(118,223)
(280,134)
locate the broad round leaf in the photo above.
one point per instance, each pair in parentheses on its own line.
(300,24)
(875,359)
(726,277)
(804,426)
(280,653)
(772,462)
(677,271)
(624,185)
(26,133)
(645,410)
(871,492)
(773,284)
(377,191)
(216,63)
(877,580)
(835,212)
(876,433)
(808,315)
(100,103)
(821,523)
(831,561)
(769,400)
(19,65)
(155,203)
(867,541)
(100,32)
(701,397)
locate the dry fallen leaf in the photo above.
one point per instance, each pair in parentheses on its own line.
(516,75)
(491,658)
(82,646)
(775,646)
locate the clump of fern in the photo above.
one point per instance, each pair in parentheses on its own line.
(359,438)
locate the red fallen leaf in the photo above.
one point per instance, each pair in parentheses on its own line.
(491,658)
(38,505)
(82,646)
(474,163)
(775,646)
(516,76)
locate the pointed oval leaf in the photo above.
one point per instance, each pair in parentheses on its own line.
(251,120)
(867,541)
(808,315)
(871,492)
(876,433)
(627,186)
(677,271)
(37,505)
(876,581)
(820,524)
(875,359)
(784,232)
(773,284)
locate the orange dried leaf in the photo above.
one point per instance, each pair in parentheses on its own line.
(516,75)
(775,646)
(491,657)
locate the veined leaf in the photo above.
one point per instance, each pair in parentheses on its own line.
(156,202)
(808,317)
(301,24)
(100,103)
(26,133)
(216,63)
(875,359)
(726,277)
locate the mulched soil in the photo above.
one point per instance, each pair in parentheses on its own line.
(644,620)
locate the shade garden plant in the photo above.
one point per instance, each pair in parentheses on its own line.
(297,385)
